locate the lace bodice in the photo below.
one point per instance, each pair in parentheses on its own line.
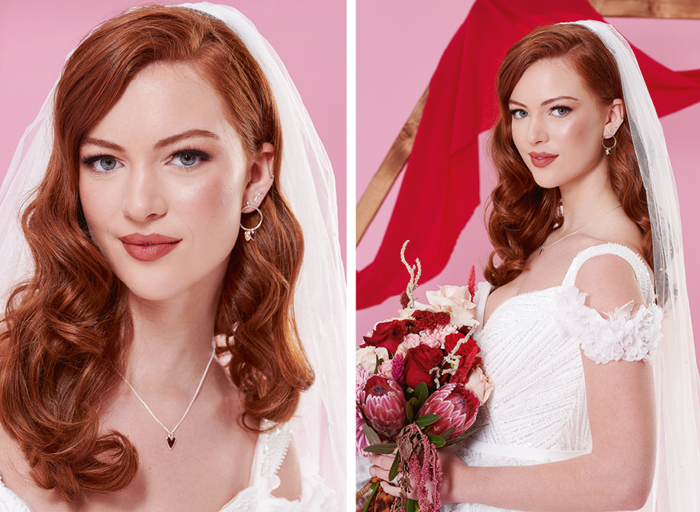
(270,451)
(531,349)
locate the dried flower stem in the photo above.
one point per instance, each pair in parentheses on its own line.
(413,282)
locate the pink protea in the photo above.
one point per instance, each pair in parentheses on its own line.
(384,405)
(456,406)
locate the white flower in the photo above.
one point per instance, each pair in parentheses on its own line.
(479,384)
(455,300)
(367,357)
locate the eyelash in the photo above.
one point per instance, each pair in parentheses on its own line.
(566,110)
(561,107)
(200,155)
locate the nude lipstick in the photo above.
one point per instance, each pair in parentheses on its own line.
(542,159)
(148,247)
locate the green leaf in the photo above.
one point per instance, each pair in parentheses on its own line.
(421,393)
(394,467)
(409,411)
(371,435)
(464,436)
(438,441)
(411,505)
(428,419)
(447,433)
(414,403)
(383,448)
(370,498)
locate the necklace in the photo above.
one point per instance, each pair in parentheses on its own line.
(579,230)
(171,433)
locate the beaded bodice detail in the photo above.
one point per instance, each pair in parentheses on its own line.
(531,347)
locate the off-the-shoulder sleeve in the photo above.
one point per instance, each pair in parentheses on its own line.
(622,336)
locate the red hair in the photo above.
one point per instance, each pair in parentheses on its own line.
(68,326)
(523,214)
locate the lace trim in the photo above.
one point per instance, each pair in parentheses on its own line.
(622,336)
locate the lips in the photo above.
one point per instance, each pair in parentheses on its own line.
(148,247)
(542,159)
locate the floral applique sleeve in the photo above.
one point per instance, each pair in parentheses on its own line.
(619,336)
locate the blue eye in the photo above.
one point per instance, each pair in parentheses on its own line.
(189,158)
(518,113)
(101,163)
(560,111)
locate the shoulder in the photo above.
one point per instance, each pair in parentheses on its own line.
(290,475)
(610,282)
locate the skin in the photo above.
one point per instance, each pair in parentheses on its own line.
(132,182)
(618,473)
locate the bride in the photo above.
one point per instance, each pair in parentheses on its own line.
(592,408)
(166,236)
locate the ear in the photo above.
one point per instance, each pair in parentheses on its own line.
(615,117)
(260,176)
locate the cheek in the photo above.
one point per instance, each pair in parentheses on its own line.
(212,206)
(99,206)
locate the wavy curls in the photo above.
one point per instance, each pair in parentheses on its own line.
(523,214)
(68,326)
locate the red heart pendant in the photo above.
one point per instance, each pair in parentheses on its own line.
(171,441)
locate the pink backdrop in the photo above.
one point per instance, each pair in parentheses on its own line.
(309,36)
(399,44)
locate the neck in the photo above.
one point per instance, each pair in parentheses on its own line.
(171,337)
(586,200)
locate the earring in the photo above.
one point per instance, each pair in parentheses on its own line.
(609,149)
(249,232)
(256,197)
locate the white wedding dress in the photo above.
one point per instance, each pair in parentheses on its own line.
(531,348)
(270,450)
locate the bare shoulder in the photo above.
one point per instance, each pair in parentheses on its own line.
(290,475)
(610,282)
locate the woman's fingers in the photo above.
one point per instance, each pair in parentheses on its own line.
(391,489)
(383,461)
(396,491)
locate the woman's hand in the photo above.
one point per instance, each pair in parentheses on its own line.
(452,471)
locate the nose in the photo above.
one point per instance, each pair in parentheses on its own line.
(536,131)
(144,197)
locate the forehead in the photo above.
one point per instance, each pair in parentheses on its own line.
(549,78)
(164,99)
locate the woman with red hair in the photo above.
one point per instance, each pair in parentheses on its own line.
(585,327)
(166,234)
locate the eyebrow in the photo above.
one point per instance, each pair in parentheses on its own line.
(158,145)
(547,102)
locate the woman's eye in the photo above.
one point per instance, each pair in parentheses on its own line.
(518,113)
(189,158)
(102,163)
(561,111)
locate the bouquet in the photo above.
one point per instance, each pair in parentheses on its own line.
(419,386)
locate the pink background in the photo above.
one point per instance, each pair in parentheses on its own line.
(399,44)
(309,36)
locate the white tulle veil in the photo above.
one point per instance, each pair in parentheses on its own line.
(677,477)
(307,182)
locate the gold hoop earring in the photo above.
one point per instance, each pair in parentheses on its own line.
(249,232)
(609,149)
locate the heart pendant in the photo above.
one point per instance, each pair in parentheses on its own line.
(171,441)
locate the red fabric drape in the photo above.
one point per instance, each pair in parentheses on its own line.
(441,187)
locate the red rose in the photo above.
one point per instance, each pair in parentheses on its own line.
(419,361)
(388,335)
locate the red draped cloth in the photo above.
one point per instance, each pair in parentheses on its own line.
(440,190)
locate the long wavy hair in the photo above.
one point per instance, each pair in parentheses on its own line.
(523,214)
(68,327)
